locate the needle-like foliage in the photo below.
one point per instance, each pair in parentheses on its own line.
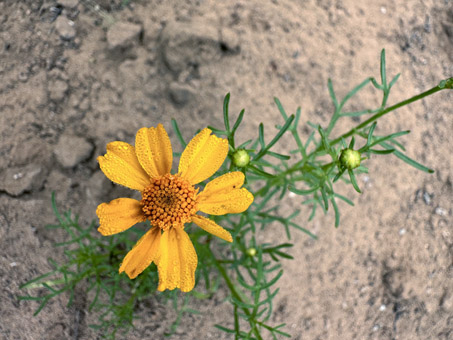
(246,268)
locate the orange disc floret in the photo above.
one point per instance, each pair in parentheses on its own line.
(169,201)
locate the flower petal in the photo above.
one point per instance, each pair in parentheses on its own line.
(236,201)
(144,252)
(212,227)
(202,157)
(223,195)
(177,261)
(119,215)
(120,165)
(153,149)
(224,184)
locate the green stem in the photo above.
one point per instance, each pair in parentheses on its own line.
(236,295)
(385,111)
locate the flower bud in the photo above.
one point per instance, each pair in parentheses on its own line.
(251,251)
(241,158)
(350,159)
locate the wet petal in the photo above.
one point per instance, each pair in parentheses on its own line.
(144,252)
(119,215)
(153,149)
(236,201)
(202,157)
(224,184)
(223,195)
(120,165)
(212,227)
(177,261)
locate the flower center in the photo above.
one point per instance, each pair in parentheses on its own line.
(169,201)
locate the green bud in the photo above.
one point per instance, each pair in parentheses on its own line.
(251,251)
(447,83)
(241,158)
(350,159)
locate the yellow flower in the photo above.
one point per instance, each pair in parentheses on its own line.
(169,201)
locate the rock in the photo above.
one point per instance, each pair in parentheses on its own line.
(65,28)
(229,42)
(123,35)
(187,45)
(180,94)
(68,3)
(57,89)
(71,150)
(18,180)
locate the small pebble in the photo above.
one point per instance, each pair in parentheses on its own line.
(426,198)
(17,176)
(65,28)
(440,211)
(23,76)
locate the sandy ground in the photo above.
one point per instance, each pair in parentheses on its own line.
(75,76)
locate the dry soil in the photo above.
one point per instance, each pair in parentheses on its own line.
(75,75)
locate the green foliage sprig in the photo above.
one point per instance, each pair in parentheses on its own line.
(248,269)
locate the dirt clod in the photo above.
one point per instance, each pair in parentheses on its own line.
(57,90)
(18,180)
(123,35)
(71,150)
(189,45)
(180,94)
